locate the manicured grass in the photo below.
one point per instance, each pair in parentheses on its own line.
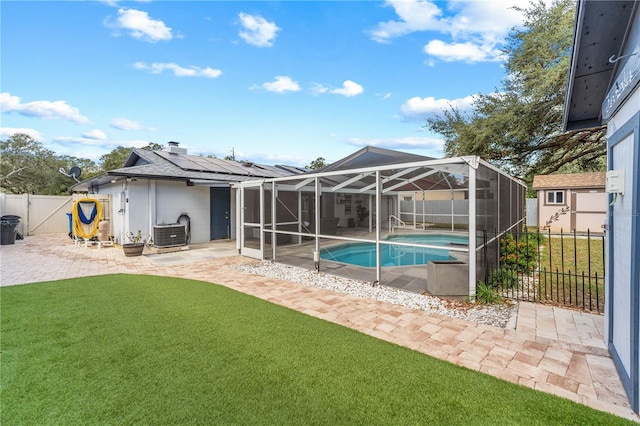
(576,258)
(125,349)
(576,284)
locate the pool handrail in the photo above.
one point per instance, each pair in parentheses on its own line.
(400,224)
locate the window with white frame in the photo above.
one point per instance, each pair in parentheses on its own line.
(555,197)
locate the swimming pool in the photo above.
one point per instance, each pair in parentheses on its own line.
(364,254)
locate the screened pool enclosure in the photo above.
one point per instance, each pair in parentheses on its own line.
(387,217)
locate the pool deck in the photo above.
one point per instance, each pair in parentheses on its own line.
(553,350)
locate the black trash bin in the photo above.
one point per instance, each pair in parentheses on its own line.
(9,229)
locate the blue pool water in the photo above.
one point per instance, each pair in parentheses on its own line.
(364,254)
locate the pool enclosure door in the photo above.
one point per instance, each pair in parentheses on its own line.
(251,236)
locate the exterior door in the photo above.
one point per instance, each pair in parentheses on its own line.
(220,211)
(252,221)
(588,210)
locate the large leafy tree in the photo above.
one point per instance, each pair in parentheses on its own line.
(24,163)
(318,163)
(519,128)
(116,158)
(27,167)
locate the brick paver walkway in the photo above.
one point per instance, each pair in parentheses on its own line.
(553,350)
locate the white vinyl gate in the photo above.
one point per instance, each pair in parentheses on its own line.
(44,214)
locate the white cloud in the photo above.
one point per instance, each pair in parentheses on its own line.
(179,71)
(492,20)
(282,84)
(318,89)
(349,89)
(132,143)
(384,97)
(271,158)
(114,3)
(126,124)
(257,31)
(95,134)
(411,142)
(105,144)
(467,52)
(415,15)
(140,25)
(86,141)
(418,109)
(476,28)
(6,132)
(41,109)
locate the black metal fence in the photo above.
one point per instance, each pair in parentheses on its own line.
(564,269)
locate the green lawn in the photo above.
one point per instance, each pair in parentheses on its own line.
(576,257)
(125,349)
(571,287)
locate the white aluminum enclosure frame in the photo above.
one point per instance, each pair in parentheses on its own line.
(388,180)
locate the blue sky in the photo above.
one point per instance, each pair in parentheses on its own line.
(279,82)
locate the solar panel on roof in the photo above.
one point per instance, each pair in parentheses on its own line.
(273,171)
(201,164)
(219,166)
(228,167)
(231,166)
(181,161)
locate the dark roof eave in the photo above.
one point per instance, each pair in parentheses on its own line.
(600,29)
(105,179)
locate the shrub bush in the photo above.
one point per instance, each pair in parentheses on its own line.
(504,277)
(519,255)
(486,294)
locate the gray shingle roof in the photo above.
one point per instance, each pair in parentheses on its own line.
(165,165)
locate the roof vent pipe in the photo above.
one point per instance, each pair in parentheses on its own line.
(175,148)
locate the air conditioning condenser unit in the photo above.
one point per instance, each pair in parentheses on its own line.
(172,235)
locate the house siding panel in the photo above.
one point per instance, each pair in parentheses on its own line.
(622,159)
(116,211)
(175,198)
(548,210)
(622,269)
(136,212)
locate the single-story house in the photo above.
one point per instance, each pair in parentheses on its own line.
(156,189)
(604,88)
(569,202)
(160,188)
(267,209)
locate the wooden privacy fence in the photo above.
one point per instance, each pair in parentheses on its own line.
(44,214)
